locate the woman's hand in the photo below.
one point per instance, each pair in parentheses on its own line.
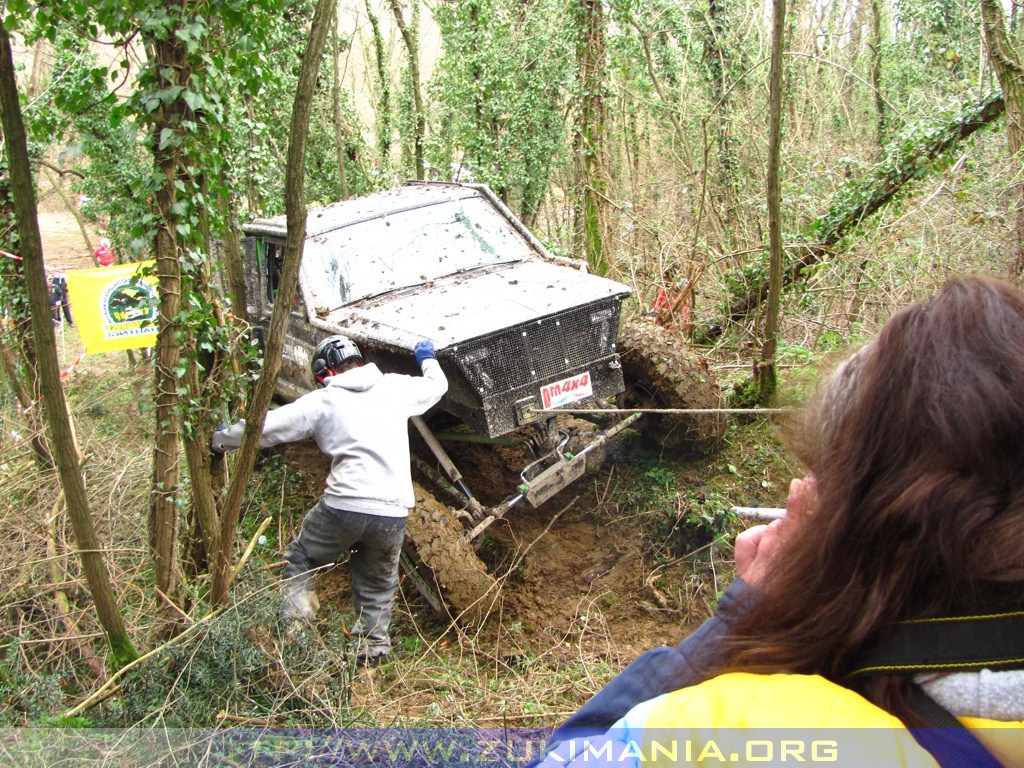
(757,546)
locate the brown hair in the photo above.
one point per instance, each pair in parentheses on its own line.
(917,443)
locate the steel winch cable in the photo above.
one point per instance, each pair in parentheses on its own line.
(694,411)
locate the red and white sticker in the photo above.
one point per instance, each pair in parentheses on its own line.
(567,391)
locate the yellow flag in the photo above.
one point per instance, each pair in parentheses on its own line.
(115,307)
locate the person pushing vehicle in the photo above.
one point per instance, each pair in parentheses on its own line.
(359,419)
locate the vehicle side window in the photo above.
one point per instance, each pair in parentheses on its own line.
(274,256)
(273,262)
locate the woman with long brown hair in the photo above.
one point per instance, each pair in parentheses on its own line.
(892,593)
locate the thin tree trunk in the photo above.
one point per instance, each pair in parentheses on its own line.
(233,265)
(1007,65)
(717,55)
(592,215)
(73,210)
(59,418)
(339,128)
(39,445)
(38,65)
(384,104)
(848,88)
(296,223)
(413,49)
(21,393)
(202,524)
(169,60)
(766,379)
(19,351)
(881,110)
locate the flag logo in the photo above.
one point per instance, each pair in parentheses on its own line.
(129,301)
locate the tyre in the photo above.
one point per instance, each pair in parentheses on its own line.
(445,563)
(662,372)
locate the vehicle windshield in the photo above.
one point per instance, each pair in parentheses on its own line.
(405,249)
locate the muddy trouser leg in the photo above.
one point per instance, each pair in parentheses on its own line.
(374,569)
(326,534)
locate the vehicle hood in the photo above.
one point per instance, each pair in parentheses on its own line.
(462,307)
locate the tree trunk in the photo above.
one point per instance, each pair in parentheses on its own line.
(718,56)
(384,102)
(38,66)
(59,418)
(19,348)
(73,210)
(40,447)
(766,379)
(233,265)
(296,223)
(1008,69)
(881,110)
(592,213)
(21,393)
(202,524)
(171,66)
(412,47)
(339,129)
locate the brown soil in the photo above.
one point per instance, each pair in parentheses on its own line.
(585,580)
(577,574)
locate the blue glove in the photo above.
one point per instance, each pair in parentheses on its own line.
(424,350)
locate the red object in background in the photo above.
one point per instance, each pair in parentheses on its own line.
(669,308)
(103,254)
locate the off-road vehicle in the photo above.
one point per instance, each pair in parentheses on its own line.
(520,334)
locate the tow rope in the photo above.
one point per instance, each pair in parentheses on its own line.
(694,411)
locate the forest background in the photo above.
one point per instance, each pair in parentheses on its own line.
(787,175)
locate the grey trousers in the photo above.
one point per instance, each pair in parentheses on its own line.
(375,543)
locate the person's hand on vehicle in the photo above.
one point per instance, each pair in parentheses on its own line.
(424,350)
(757,546)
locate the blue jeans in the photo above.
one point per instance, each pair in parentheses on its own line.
(375,543)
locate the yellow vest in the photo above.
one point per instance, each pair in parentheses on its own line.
(744,719)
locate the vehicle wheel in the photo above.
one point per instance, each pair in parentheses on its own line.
(446,563)
(662,372)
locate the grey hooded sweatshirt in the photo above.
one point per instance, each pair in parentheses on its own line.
(360,420)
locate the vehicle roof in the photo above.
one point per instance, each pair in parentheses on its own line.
(344,213)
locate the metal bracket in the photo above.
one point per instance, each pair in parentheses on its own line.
(555,478)
(526,410)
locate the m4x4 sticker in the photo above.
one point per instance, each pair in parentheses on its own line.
(567,391)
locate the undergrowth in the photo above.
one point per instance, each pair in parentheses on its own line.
(237,669)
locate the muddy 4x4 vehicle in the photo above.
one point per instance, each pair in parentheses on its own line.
(519,333)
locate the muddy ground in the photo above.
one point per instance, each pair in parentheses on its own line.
(581,569)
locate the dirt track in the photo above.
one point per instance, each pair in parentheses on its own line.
(64,246)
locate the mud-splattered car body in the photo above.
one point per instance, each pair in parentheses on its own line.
(516,330)
(520,334)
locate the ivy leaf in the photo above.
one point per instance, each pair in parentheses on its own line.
(170,95)
(195,100)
